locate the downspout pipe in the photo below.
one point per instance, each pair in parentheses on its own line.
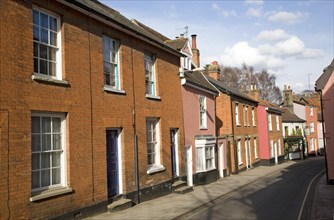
(323,131)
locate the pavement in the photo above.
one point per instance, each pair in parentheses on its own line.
(175,206)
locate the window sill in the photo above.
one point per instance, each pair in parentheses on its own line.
(241,163)
(207,170)
(48,80)
(238,125)
(153,97)
(203,128)
(113,90)
(155,169)
(50,193)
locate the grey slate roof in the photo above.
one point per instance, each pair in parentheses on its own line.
(323,79)
(229,90)
(289,116)
(197,78)
(105,12)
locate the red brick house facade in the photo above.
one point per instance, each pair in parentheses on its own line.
(88,103)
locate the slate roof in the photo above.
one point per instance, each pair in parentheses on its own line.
(197,78)
(103,11)
(323,79)
(177,43)
(271,106)
(289,116)
(150,30)
(229,90)
(312,101)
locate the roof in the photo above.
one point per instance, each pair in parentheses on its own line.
(323,79)
(229,90)
(98,10)
(177,43)
(150,30)
(197,78)
(271,106)
(289,116)
(314,101)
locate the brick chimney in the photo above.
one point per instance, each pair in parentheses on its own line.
(288,97)
(195,50)
(254,92)
(214,70)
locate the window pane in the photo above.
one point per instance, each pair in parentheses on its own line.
(56,176)
(199,159)
(56,142)
(35,15)
(45,178)
(44,20)
(56,123)
(46,124)
(46,142)
(35,179)
(56,159)
(35,162)
(35,125)
(43,67)
(45,160)
(107,79)
(53,38)
(52,69)
(36,33)
(43,51)
(36,49)
(53,23)
(35,65)
(44,36)
(35,143)
(52,54)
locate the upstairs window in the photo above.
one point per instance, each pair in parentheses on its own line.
(253,116)
(202,112)
(150,80)
(311,127)
(47,42)
(237,121)
(311,111)
(110,62)
(277,123)
(270,125)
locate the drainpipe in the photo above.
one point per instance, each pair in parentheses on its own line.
(134,130)
(323,133)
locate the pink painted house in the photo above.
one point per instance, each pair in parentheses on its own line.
(199,125)
(325,86)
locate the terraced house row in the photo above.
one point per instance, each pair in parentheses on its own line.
(96,108)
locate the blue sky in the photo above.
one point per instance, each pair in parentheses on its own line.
(290,39)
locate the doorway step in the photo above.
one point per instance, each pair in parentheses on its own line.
(119,203)
(181,187)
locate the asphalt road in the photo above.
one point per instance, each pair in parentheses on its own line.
(277,196)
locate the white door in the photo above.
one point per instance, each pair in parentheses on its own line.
(189,165)
(275,151)
(246,154)
(221,160)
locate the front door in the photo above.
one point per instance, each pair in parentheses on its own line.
(112,162)
(173,144)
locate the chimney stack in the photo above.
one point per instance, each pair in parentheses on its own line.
(195,50)
(254,92)
(214,70)
(288,98)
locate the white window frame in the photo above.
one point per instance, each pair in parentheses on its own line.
(277,123)
(240,162)
(202,157)
(279,147)
(256,156)
(153,133)
(111,59)
(312,127)
(202,112)
(38,58)
(311,111)
(270,125)
(253,117)
(62,151)
(237,120)
(272,153)
(150,75)
(311,144)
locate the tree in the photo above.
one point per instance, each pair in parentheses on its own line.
(246,76)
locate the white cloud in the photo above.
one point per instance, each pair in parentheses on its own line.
(312,53)
(290,47)
(254,12)
(254,2)
(223,12)
(272,36)
(285,17)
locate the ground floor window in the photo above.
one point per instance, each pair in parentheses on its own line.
(205,155)
(47,151)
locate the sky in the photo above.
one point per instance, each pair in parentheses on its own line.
(294,40)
